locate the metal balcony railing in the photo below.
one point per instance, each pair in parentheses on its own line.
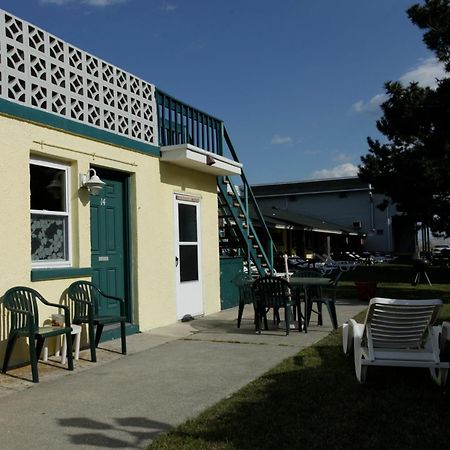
(179,123)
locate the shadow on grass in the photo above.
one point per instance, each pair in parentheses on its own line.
(313,400)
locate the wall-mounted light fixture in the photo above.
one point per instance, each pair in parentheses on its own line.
(210,161)
(91,182)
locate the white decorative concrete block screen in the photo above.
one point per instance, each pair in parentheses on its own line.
(41,71)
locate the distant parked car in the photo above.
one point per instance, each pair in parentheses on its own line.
(438,249)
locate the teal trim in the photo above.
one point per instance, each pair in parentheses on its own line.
(129,247)
(60,273)
(114,332)
(61,123)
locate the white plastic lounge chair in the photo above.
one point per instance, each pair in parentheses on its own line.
(397,333)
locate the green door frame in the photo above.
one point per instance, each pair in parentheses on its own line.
(128,250)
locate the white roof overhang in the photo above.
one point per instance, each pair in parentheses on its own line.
(195,158)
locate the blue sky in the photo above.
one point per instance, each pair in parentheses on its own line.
(297,82)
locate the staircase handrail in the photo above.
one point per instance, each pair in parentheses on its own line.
(249,194)
(266,257)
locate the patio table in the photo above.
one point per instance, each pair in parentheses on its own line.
(306,283)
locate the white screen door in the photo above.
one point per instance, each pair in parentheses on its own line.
(188,256)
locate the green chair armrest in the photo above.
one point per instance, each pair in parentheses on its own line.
(119,299)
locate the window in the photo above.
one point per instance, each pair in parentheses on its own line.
(49,201)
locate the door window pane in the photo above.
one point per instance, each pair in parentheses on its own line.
(188,263)
(187,223)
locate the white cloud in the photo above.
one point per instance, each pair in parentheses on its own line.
(168,7)
(55,2)
(197,45)
(99,3)
(281,140)
(371,106)
(103,2)
(342,157)
(312,151)
(342,170)
(426,73)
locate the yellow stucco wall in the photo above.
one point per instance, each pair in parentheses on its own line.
(152,216)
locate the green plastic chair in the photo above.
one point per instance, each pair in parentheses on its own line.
(272,292)
(86,297)
(22,302)
(244,284)
(315,295)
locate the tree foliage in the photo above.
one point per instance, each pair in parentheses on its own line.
(413,166)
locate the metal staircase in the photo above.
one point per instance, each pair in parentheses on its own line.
(242,229)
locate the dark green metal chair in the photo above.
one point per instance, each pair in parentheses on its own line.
(330,300)
(22,302)
(272,292)
(315,295)
(244,284)
(86,297)
(308,295)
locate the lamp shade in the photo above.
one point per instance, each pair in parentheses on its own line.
(93,183)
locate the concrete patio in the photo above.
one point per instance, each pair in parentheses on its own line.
(169,375)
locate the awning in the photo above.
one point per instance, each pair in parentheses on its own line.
(195,158)
(282,219)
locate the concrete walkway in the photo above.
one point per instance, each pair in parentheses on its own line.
(170,374)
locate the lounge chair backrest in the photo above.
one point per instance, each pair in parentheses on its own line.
(399,324)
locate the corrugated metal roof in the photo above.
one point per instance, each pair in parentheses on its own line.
(274,216)
(310,187)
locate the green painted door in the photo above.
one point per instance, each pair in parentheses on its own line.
(231,271)
(108,239)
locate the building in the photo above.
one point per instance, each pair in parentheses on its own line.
(151,235)
(347,207)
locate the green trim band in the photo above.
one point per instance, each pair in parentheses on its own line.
(114,332)
(57,274)
(38,117)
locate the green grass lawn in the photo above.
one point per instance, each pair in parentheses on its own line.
(313,400)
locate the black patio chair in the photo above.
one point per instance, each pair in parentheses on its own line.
(86,298)
(244,284)
(308,295)
(315,295)
(330,300)
(272,292)
(22,302)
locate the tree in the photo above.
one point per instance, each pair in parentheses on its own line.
(413,166)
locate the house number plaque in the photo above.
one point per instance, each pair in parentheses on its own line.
(103,258)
